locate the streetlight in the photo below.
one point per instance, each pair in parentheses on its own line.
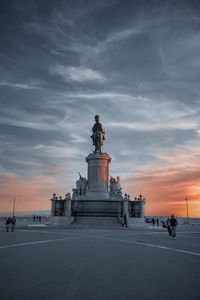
(186,199)
(14,206)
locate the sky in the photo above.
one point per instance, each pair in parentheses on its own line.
(134,63)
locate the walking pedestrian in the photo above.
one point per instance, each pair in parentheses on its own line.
(124,221)
(153,222)
(40,219)
(7,223)
(168,227)
(173,224)
(75,214)
(157,222)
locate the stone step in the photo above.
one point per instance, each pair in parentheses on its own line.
(96,219)
(91,219)
(97,214)
(92,226)
(91,222)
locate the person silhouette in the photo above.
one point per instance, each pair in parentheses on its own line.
(124,221)
(7,223)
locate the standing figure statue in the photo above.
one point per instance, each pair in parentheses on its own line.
(98,134)
(81,185)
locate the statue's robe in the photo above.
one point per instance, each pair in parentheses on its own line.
(97,128)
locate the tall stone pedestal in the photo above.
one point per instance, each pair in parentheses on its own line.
(98,176)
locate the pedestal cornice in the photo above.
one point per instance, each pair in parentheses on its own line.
(98,156)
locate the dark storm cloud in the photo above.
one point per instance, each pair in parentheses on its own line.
(136,63)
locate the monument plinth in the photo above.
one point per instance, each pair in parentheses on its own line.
(98,176)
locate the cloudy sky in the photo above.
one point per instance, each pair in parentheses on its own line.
(135,63)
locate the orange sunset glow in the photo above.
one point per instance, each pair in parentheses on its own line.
(166,187)
(166,195)
(32,192)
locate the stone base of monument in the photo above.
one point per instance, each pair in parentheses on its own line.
(97,195)
(95,208)
(60,220)
(96,222)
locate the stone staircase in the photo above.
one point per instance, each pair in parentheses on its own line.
(96,222)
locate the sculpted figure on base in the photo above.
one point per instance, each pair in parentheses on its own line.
(81,185)
(115,187)
(98,135)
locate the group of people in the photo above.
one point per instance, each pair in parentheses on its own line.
(10,223)
(170,224)
(37,218)
(155,221)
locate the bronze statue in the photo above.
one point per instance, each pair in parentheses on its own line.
(98,135)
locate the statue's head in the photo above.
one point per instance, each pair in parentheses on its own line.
(97,118)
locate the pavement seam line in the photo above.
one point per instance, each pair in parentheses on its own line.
(144,233)
(132,234)
(40,242)
(193,232)
(47,232)
(193,237)
(152,245)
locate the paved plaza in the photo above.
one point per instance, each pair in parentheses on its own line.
(99,264)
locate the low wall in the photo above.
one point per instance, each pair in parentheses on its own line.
(60,220)
(136,222)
